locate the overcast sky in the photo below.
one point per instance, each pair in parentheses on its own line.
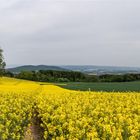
(57,32)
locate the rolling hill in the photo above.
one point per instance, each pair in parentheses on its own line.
(34,68)
(88,69)
(100,70)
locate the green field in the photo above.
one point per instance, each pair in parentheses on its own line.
(123,87)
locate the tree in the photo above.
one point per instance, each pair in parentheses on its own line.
(28,75)
(2,63)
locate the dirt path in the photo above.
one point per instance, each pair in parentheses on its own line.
(34,132)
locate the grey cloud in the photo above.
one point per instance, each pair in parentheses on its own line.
(100,32)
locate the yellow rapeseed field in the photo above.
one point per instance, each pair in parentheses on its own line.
(66,114)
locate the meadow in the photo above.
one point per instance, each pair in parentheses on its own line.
(64,114)
(103,86)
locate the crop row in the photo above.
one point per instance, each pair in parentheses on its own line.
(83,115)
(16,107)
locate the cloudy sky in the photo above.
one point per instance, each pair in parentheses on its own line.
(57,32)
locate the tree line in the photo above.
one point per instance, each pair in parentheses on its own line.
(71,76)
(49,76)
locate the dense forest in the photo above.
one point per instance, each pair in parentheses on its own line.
(71,76)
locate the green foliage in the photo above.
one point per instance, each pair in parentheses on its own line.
(71,76)
(2,63)
(119,78)
(26,75)
(63,80)
(51,76)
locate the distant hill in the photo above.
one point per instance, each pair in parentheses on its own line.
(100,70)
(88,69)
(34,68)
